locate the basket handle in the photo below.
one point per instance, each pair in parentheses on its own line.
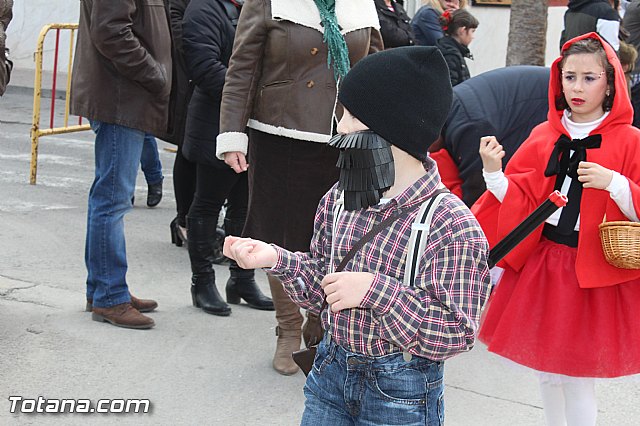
(604,218)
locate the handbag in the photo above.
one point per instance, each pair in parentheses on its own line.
(305,357)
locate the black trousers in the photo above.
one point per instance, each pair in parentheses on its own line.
(214,186)
(184,185)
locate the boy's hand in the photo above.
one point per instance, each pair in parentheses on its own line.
(346,290)
(250,254)
(491,153)
(593,175)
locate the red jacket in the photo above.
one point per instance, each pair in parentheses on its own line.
(528,187)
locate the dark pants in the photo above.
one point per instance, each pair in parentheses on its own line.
(216,185)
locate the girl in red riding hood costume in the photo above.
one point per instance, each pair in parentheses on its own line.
(560,308)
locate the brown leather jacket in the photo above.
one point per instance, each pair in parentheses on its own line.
(278,80)
(122,65)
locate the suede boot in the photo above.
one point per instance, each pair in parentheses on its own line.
(204,294)
(241,283)
(288,330)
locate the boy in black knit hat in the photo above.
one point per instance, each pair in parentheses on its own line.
(411,296)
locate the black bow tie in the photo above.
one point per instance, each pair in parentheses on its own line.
(562,162)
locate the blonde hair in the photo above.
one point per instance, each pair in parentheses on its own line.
(437,5)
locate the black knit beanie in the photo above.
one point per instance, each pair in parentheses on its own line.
(402,94)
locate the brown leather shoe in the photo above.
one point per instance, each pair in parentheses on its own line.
(122,315)
(142,305)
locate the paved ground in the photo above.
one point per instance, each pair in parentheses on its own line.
(195,368)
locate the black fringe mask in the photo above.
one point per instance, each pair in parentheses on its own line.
(366,168)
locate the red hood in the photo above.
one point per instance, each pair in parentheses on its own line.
(621,112)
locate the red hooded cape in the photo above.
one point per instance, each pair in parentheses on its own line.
(528,187)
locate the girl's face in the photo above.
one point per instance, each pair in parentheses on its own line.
(450,4)
(466,35)
(584,83)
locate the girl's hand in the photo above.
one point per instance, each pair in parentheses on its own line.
(250,254)
(491,153)
(593,175)
(346,290)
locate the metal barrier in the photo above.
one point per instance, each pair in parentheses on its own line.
(36,131)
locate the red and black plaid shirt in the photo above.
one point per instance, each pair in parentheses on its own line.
(437,316)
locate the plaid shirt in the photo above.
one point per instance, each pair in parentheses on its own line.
(437,316)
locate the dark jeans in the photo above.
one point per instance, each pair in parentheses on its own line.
(216,185)
(346,388)
(184,185)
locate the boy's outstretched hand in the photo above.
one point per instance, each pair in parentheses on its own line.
(346,290)
(250,254)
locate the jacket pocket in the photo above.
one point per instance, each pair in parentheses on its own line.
(271,101)
(275,84)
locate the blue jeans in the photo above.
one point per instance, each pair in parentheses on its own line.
(150,161)
(117,154)
(346,388)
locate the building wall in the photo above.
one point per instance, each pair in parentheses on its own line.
(29,16)
(489,48)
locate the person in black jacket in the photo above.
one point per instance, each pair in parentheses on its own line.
(585,16)
(184,171)
(459,28)
(506,102)
(208,30)
(395,24)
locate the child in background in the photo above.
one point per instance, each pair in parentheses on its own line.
(560,308)
(459,28)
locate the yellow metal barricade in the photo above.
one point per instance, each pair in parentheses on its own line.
(36,131)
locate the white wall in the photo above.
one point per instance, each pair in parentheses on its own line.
(489,48)
(29,16)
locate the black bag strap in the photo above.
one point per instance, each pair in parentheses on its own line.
(372,233)
(361,242)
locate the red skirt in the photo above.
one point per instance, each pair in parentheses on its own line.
(540,317)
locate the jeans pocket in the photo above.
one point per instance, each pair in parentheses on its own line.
(435,401)
(402,386)
(324,356)
(95,125)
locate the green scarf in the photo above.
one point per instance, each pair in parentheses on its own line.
(336,45)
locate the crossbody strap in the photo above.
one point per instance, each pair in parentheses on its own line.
(362,241)
(431,204)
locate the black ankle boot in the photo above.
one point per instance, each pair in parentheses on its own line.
(242,285)
(154,194)
(201,232)
(204,295)
(178,232)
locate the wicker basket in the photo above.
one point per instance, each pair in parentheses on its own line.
(621,243)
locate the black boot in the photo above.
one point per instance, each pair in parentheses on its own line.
(201,233)
(241,283)
(204,295)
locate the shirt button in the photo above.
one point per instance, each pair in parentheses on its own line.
(314,51)
(310,84)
